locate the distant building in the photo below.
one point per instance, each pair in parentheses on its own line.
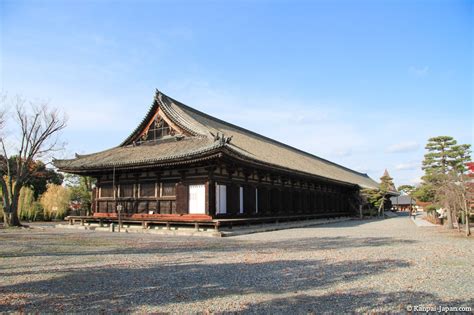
(423,205)
(402,202)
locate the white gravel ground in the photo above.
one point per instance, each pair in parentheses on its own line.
(361,266)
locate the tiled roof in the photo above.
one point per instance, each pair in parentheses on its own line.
(203,129)
(144,154)
(402,200)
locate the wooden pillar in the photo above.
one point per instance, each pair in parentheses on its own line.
(315,200)
(296,199)
(135,193)
(157,191)
(182,197)
(233,199)
(261,196)
(323,199)
(94,200)
(96,192)
(290,199)
(333,201)
(304,198)
(249,199)
(283,209)
(340,198)
(211,192)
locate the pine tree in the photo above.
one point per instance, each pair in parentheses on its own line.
(386,183)
(444,157)
(439,156)
(376,197)
(386,186)
(460,155)
(407,189)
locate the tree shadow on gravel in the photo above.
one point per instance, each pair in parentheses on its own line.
(355,222)
(336,242)
(350,302)
(164,246)
(124,289)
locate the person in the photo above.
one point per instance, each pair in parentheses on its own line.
(411,212)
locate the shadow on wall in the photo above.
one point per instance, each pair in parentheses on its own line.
(125,289)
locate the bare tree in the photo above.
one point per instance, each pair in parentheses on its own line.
(469,186)
(38,126)
(454,193)
(463,187)
(446,195)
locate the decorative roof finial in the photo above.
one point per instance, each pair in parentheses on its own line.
(221,138)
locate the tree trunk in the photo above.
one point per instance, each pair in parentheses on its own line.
(11,219)
(10,215)
(468,229)
(449,217)
(380,207)
(467,212)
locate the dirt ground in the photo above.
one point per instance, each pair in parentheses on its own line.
(361,266)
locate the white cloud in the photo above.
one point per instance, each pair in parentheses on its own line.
(419,71)
(408,146)
(342,152)
(415,181)
(407,166)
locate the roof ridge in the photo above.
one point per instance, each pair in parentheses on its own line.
(261,136)
(232,147)
(140,126)
(175,116)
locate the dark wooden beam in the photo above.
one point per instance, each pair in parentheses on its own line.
(247,173)
(182,174)
(231,169)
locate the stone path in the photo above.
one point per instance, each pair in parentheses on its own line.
(359,265)
(420,221)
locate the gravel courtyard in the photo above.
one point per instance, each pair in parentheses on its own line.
(374,265)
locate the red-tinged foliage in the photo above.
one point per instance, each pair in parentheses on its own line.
(470,167)
(470,185)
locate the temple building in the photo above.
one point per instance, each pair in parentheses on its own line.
(181,163)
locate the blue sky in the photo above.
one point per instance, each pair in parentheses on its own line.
(361,83)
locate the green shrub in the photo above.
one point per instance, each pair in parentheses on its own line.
(431,208)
